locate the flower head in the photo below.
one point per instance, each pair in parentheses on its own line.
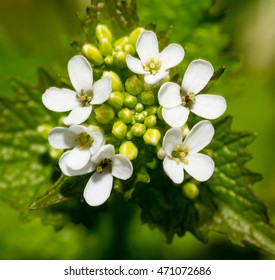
(178,101)
(86,94)
(152,63)
(106,165)
(183,155)
(83,141)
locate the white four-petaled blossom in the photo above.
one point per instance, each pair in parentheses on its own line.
(86,94)
(152,63)
(178,101)
(106,165)
(184,155)
(84,143)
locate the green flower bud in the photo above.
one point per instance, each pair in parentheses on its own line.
(190,190)
(129,49)
(119,129)
(129,150)
(152,136)
(103,32)
(116,100)
(44,130)
(134,35)
(105,47)
(120,59)
(92,53)
(139,107)
(147,97)
(134,85)
(126,115)
(116,82)
(121,42)
(161,154)
(139,117)
(109,60)
(129,135)
(130,101)
(150,121)
(185,130)
(138,129)
(152,110)
(104,114)
(159,113)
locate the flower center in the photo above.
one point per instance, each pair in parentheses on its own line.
(179,154)
(84,99)
(103,164)
(153,67)
(84,140)
(187,99)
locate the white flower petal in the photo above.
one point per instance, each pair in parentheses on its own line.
(171,56)
(208,106)
(78,115)
(199,166)
(81,74)
(151,79)
(98,188)
(197,75)
(147,46)
(98,141)
(199,136)
(61,138)
(101,91)
(176,116)
(171,139)
(122,167)
(60,99)
(173,170)
(106,151)
(135,65)
(71,172)
(77,129)
(169,95)
(77,158)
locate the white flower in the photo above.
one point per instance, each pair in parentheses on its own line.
(152,63)
(106,165)
(184,155)
(84,142)
(80,101)
(178,101)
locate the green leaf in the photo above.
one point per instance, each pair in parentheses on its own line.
(226,203)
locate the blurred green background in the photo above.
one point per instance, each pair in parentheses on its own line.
(37,33)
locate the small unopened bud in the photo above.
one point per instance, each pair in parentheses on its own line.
(190,190)
(185,130)
(119,129)
(116,82)
(130,101)
(129,49)
(105,47)
(126,115)
(102,31)
(93,54)
(120,59)
(134,85)
(139,107)
(134,35)
(152,110)
(129,135)
(129,150)
(138,129)
(104,114)
(152,136)
(121,42)
(109,60)
(150,121)
(147,97)
(161,154)
(116,100)
(159,113)
(139,117)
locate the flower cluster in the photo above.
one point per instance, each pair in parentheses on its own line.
(114,120)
